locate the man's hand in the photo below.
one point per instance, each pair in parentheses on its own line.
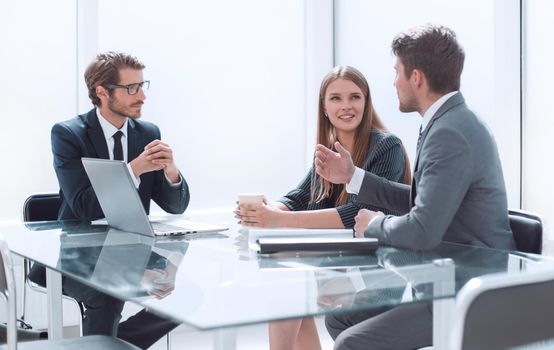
(362,221)
(334,167)
(156,156)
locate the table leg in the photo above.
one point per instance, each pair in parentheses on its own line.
(444,308)
(225,339)
(54,302)
(442,320)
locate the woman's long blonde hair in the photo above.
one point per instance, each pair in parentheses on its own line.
(327,136)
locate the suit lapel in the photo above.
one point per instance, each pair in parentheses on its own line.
(96,134)
(134,148)
(446,106)
(450,103)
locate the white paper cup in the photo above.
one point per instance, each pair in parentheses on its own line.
(250,198)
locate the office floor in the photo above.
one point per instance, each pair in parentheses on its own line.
(248,338)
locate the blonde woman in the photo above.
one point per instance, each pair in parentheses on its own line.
(345,114)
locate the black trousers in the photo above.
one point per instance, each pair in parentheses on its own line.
(103,313)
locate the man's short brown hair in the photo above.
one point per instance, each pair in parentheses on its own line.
(104,70)
(434,50)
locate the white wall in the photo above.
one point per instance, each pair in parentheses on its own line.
(227,88)
(488,31)
(538,115)
(38,88)
(319,38)
(38,74)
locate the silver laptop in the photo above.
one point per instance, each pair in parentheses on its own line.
(121,204)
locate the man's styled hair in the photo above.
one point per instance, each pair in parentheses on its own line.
(434,50)
(104,70)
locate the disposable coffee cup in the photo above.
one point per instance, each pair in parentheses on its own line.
(250,198)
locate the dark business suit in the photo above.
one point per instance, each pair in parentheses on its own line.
(457,195)
(83,137)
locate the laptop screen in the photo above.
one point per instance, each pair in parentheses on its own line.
(117,195)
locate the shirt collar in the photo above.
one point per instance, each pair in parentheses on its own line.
(430,112)
(108,128)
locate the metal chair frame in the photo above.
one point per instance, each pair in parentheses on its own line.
(54,200)
(515,321)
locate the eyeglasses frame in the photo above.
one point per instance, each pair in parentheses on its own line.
(128,86)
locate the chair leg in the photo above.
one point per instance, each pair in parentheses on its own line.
(168,339)
(26,269)
(82,309)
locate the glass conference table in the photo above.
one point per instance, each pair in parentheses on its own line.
(215,281)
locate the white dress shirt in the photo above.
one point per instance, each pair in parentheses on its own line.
(109,130)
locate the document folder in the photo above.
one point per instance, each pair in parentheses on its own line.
(320,244)
(255,234)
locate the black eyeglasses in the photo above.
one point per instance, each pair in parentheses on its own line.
(132,88)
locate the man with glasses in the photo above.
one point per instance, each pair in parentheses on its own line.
(112,130)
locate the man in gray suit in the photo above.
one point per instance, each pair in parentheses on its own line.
(457,193)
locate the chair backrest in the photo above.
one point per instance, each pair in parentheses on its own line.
(7,289)
(39,207)
(527,230)
(505,311)
(42,207)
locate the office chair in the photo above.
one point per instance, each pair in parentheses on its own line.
(42,207)
(7,290)
(505,311)
(527,230)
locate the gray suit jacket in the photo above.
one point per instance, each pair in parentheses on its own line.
(457,193)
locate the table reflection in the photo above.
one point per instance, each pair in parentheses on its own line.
(135,265)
